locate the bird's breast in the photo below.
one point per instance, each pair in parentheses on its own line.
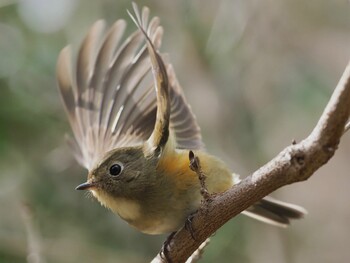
(127,209)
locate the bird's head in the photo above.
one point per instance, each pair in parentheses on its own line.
(122,173)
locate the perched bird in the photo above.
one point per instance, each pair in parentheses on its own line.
(133,130)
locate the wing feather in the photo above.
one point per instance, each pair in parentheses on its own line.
(121,62)
(85,66)
(110,97)
(104,60)
(160,134)
(182,120)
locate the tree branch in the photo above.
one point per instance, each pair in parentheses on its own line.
(295,163)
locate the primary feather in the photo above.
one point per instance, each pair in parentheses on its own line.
(110,96)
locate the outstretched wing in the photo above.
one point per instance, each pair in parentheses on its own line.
(110,96)
(160,134)
(182,120)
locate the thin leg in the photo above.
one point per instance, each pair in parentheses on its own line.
(188,225)
(164,252)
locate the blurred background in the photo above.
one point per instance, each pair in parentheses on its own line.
(257,74)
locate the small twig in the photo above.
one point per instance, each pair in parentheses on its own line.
(196,167)
(347,127)
(197,255)
(33,238)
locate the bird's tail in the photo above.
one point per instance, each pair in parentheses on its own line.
(274,212)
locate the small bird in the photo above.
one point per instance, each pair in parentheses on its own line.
(133,130)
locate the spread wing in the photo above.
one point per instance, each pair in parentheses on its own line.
(109,95)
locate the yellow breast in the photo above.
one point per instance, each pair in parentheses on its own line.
(127,209)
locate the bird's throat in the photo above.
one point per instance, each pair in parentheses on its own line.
(127,209)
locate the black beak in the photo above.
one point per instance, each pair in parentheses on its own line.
(84,186)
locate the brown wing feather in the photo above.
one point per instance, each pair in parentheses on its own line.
(160,134)
(110,98)
(182,120)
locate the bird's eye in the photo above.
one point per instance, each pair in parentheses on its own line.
(115,169)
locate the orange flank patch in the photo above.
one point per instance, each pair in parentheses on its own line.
(176,167)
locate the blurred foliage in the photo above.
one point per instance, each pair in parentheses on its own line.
(257,74)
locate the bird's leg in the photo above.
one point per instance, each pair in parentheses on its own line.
(188,224)
(196,167)
(164,251)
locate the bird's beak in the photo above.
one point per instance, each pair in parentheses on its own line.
(85,186)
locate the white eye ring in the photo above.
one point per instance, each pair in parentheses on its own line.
(115,169)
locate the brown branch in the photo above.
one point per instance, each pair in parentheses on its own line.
(295,163)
